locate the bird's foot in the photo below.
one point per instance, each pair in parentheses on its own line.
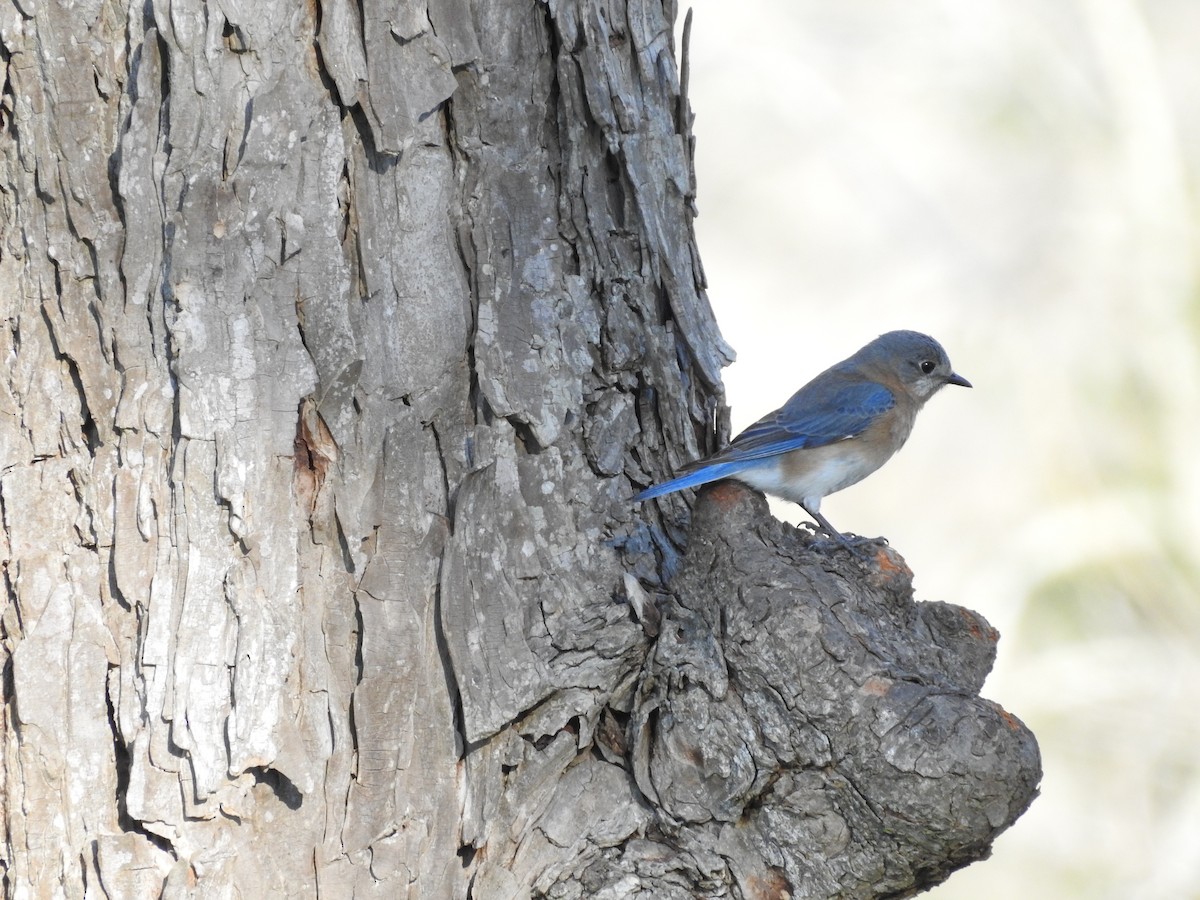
(853,542)
(856,544)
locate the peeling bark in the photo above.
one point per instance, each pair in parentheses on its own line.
(336,335)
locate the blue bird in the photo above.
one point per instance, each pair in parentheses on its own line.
(834,431)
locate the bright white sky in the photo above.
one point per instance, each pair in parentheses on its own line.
(1017,178)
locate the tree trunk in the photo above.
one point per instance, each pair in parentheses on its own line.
(337,336)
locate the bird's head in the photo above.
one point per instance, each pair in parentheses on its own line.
(914,360)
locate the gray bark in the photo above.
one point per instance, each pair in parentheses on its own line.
(336,335)
(807,722)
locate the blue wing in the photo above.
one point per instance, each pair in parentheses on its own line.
(820,413)
(824,411)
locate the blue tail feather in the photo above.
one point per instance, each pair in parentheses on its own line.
(700,476)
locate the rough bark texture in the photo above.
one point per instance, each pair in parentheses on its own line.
(807,722)
(335,336)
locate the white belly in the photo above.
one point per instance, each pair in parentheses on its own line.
(805,476)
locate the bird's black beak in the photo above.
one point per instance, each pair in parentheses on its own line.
(955,378)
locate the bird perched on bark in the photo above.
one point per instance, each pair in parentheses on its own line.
(834,431)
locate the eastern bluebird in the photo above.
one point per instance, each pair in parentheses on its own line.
(836,430)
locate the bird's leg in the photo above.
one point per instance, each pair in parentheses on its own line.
(835,534)
(825,526)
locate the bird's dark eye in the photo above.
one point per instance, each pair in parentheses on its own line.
(928,366)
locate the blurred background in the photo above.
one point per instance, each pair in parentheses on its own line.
(1017,178)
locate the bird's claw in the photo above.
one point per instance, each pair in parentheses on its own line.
(854,543)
